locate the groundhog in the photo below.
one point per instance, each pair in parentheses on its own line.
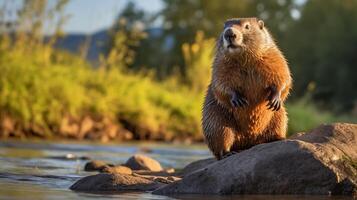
(244,104)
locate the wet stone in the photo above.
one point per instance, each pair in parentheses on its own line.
(142,162)
(96,165)
(108,182)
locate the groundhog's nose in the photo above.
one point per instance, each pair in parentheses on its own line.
(229,35)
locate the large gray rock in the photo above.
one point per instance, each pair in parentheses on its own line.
(322,162)
(114,182)
(196,165)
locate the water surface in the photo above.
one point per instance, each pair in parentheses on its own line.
(40,170)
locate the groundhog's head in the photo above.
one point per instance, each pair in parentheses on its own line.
(244,35)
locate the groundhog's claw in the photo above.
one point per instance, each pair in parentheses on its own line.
(274,100)
(274,105)
(238,100)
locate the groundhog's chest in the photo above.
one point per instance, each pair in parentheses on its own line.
(252,83)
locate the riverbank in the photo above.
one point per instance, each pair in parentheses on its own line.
(64,97)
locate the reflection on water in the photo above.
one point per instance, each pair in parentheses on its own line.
(41,170)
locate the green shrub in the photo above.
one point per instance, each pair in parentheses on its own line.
(304,116)
(198,59)
(43,95)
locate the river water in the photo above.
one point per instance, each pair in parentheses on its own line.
(40,170)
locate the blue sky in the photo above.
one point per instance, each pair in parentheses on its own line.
(88,16)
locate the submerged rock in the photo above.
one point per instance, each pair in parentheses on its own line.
(69,156)
(144,174)
(108,182)
(141,162)
(96,165)
(321,162)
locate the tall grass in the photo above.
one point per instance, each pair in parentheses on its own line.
(304,116)
(44,95)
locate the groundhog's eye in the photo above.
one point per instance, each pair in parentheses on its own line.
(247,26)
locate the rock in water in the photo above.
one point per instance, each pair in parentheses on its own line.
(321,162)
(96,165)
(141,162)
(114,182)
(117,170)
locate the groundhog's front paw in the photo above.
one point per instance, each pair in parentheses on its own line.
(238,100)
(274,101)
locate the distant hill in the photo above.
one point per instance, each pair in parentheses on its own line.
(73,42)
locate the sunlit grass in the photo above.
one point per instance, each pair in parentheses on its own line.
(304,116)
(43,95)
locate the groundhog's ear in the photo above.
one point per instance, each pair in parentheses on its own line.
(261,24)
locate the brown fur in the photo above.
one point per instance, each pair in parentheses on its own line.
(252,71)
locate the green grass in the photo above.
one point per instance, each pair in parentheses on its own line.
(37,94)
(43,95)
(304,116)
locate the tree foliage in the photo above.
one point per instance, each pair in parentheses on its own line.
(25,33)
(125,37)
(198,60)
(321,47)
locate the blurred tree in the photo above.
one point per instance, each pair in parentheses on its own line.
(197,57)
(30,20)
(321,47)
(32,17)
(57,18)
(125,37)
(27,29)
